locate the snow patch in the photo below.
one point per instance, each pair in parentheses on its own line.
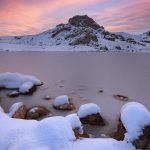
(88,109)
(25,87)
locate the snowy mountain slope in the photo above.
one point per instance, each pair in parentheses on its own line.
(81,31)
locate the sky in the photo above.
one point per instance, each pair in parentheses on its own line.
(23,17)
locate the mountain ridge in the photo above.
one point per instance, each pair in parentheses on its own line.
(82,30)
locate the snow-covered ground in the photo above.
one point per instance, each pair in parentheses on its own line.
(54,133)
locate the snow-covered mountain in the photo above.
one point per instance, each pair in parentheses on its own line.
(80,32)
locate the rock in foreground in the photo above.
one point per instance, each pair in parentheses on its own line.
(134,125)
(63,103)
(18,110)
(90,114)
(37,112)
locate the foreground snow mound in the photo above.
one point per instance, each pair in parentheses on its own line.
(54,133)
(61,100)
(134,117)
(16,80)
(102,144)
(1,109)
(88,109)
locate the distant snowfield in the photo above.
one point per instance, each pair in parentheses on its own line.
(24,47)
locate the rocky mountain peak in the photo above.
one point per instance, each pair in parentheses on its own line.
(84,21)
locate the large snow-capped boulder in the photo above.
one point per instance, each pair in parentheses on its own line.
(26,84)
(37,112)
(63,103)
(134,125)
(90,114)
(18,110)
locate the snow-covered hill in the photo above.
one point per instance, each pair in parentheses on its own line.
(80,33)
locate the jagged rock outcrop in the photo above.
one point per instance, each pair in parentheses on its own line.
(84,21)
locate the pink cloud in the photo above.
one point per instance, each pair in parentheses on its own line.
(34,16)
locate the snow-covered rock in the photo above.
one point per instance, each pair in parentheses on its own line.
(134,117)
(88,109)
(18,110)
(36,112)
(90,114)
(63,103)
(15,80)
(134,125)
(61,100)
(25,83)
(80,33)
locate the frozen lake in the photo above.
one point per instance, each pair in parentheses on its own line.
(81,75)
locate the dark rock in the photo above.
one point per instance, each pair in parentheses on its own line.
(118,47)
(84,21)
(36,112)
(47,97)
(85,39)
(144,140)
(121,97)
(94,119)
(60,30)
(13,94)
(119,134)
(78,134)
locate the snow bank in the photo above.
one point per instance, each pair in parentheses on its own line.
(54,133)
(15,80)
(60,100)
(75,122)
(102,144)
(25,87)
(134,117)
(14,108)
(88,109)
(1,109)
